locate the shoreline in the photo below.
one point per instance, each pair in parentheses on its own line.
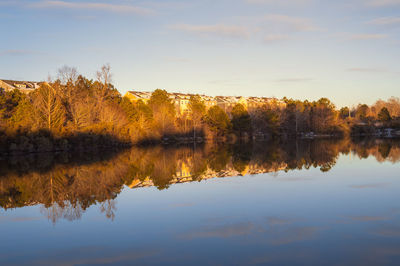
(17,148)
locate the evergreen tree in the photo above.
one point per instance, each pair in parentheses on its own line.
(344,112)
(384,115)
(241,120)
(362,111)
(218,121)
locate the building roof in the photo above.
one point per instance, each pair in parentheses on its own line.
(220,99)
(29,84)
(141,94)
(22,85)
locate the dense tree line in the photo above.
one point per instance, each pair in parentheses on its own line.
(374,119)
(72,105)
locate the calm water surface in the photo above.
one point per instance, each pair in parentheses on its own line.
(306,203)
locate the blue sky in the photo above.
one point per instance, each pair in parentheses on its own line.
(348,51)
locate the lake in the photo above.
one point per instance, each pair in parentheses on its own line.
(310,202)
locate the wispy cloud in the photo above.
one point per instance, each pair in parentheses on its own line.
(272,221)
(279,231)
(269,28)
(291,235)
(17,52)
(92,6)
(385,21)
(169,5)
(291,23)
(220,30)
(224,231)
(280,2)
(368,218)
(382,3)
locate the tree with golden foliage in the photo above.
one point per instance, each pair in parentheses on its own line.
(49,108)
(197,111)
(163,111)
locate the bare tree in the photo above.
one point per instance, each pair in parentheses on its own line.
(113,115)
(81,111)
(67,74)
(67,77)
(104,77)
(392,104)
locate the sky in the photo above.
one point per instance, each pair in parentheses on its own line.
(346,50)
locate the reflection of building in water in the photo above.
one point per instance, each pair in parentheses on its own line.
(146,182)
(184,173)
(183,169)
(245,170)
(72,184)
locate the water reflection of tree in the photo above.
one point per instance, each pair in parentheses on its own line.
(242,153)
(66,190)
(164,168)
(108,207)
(219,157)
(199,166)
(384,149)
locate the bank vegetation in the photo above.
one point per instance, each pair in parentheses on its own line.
(74,112)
